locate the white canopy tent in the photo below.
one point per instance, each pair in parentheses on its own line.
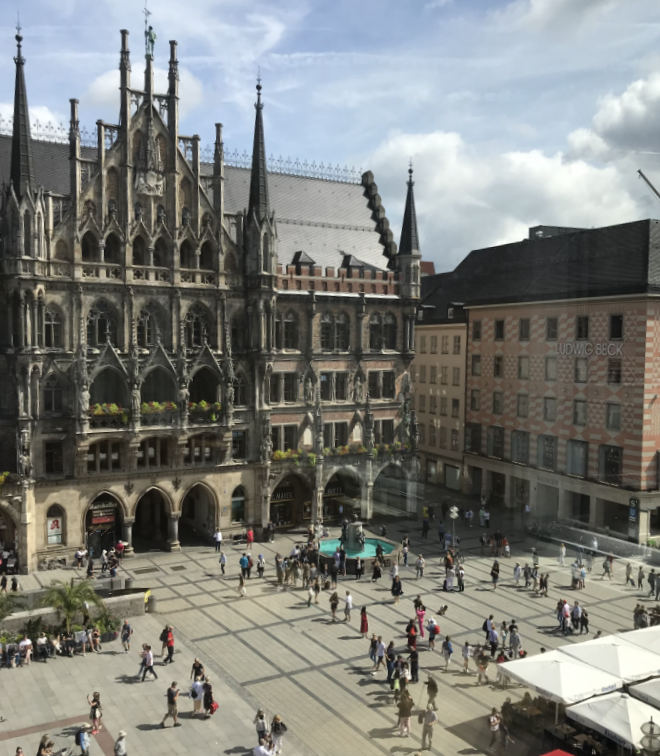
(648,691)
(616,655)
(648,638)
(618,716)
(559,677)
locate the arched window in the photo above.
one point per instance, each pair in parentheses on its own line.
(161,256)
(206,257)
(389,329)
(375,333)
(291,331)
(327,333)
(90,246)
(27,234)
(187,255)
(342,332)
(139,251)
(55,525)
(238,505)
(100,325)
(196,329)
(240,391)
(53,324)
(112,249)
(52,395)
(147,329)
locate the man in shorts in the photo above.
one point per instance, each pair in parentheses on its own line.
(172,710)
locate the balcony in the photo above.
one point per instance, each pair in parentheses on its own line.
(204,413)
(108,415)
(159,413)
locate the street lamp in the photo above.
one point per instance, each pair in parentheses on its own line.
(651,740)
(453,514)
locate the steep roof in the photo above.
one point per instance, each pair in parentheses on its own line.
(609,261)
(409,236)
(21,173)
(259,176)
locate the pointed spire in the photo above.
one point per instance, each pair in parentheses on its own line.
(21,175)
(409,236)
(259,180)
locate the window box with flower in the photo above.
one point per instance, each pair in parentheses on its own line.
(108,415)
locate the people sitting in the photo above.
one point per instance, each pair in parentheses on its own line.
(42,647)
(25,647)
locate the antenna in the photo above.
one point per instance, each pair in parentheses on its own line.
(648,183)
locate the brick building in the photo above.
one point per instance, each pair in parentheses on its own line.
(563,373)
(191,344)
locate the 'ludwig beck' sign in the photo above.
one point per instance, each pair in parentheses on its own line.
(589,348)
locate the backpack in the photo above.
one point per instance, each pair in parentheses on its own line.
(163,636)
(77,739)
(484,627)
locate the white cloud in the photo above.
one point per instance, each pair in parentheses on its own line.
(544,15)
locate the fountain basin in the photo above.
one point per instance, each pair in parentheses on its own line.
(329,546)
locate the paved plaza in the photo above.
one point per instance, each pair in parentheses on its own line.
(271,650)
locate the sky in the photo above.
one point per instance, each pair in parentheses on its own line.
(514,113)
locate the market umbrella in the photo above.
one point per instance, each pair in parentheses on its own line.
(648,691)
(618,716)
(646,637)
(619,657)
(559,677)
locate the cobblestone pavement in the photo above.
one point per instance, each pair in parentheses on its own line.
(270,650)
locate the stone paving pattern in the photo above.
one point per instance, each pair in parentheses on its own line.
(270,650)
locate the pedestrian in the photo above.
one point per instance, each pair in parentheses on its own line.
(244,563)
(404,554)
(373,645)
(359,568)
(406,704)
(261,726)
(562,553)
(380,655)
(261,566)
(148,662)
(348,605)
(208,703)
(120,744)
(217,538)
(197,694)
(432,691)
(172,708)
(334,603)
(494,721)
(3,584)
(430,719)
(515,642)
(377,572)
(197,670)
(517,572)
(466,653)
(163,639)
(651,581)
(495,573)
(169,642)
(82,739)
(90,568)
(447,651)
(364,622)
(413,660)
(317,589)
(433,629)
(460,576)
(420,611)
(584,622)
(310,594)
(493,639)
(277,730)
(488,625)
(126,632)
(419,566)
(242,588)
(249,538)
(607,570)
(629,577)
(223,562)
(640,578)
(397,589)
(95,713)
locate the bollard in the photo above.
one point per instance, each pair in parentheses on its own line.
(153,606)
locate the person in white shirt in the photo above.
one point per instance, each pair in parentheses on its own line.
(217,538)
(197,694)
(348,601)
(25,647)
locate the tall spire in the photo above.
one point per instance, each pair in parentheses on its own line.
(259,180)
(21,174)
(409,236)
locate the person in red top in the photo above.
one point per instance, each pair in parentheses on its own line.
(250,538)
(170,645)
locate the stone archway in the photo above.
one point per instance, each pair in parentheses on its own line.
(151,528)
(342,496)
(103,523)
(390,490)
(291,502)
(198,515)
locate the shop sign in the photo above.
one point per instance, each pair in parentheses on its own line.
(589,348)
(103,512)
(54,525)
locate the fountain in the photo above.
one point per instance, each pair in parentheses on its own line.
(357,544)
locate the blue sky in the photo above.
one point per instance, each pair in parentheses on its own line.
(514,112)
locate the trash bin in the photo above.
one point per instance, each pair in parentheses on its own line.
(152,606)
(128,582)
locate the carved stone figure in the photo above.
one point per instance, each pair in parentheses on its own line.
(149,41)
(84,399)
(266,442)
(309,390)
(357,388)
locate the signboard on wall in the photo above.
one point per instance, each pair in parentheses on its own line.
(54,525)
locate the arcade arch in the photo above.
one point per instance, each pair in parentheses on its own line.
(150,531)
(291,501)
(198,515)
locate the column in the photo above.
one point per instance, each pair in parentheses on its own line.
(127,536)
(317,494)
(173,533)
(593,503)
(507,491)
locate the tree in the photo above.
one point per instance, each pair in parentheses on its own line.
(68,599)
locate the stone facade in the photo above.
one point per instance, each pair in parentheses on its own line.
(176,356)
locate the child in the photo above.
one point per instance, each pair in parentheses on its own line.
(223,561)
(261,565)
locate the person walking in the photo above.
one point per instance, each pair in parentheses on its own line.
(430,719)
(120,744)
(562,553)
(197,695)
(169,642)
(348,605)
(584,621)
(334,603)
(419,567)
(364,622)
(432,691)
(515,643)
(249,538)
(217,538)
(95,711)
(397,589)
(466,653)
(640,578)
(148,663)
(277,730)
(223,562)
(494,721)
(447,651)
(495,573)
(82,738)
(172,708)
(629,577)
(126,632)
(420,611)
(406,705)
(208,703)
(380,655)
(261,726)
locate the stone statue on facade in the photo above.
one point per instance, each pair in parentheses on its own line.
(309,390)
(266,441)
(357,388)
(149,41)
